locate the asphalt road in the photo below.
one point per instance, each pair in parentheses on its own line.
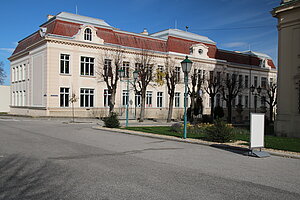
(48,159)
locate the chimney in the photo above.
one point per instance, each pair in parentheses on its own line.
(145,32)
(49,17)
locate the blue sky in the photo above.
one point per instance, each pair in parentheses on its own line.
(233,24)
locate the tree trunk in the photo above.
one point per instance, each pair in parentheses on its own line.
(229,111)
(271,114)
(142,113)
(212,102)
(170,111)
(112,102)
(192,108)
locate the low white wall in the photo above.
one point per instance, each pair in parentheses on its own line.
(4,98)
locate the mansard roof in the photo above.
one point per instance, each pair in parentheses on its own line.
(170,40)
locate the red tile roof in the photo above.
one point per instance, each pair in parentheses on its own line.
(173,44)
(237,57)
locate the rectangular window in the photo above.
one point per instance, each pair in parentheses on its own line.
(12,75)
(177,74)
(21,98)
(263,82)
(65,64)
(240,81)
(149,71)
(233,102)
(211,75)
(240,99)
(137,100)
(24,98)
(107,97)
(246,101)
(159,99)
(263,101)
(64,97)
(86,97)
(218,100)
(246,81)
(126,69)
(160,72)
(17,74)
(199,74)
(138,66)
(271,81)
(149,99)
(177,99)
(87,66)
(125,97)
(107,68)
(218,77)
(203,75)
(255,81)
(17,98)
(21,73)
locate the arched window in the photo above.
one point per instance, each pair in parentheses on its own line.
(88,34)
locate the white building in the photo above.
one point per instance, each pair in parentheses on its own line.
(63,57)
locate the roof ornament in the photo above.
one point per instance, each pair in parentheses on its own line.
(43,31)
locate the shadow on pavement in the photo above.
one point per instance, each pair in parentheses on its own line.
(233,149)
(27,178)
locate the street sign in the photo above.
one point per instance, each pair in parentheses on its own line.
(257,130)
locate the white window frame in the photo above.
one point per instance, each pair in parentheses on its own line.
(149,99)
(125,97)
(137,100)
(88,34)
(65,60)
(87,66)
(64,97)
(177,99)
(125,67)
(159,100)
(90,93)
(106,98)
(177,74)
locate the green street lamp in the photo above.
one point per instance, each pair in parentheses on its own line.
(122,75)
(186,65)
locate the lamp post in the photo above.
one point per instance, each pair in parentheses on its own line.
(122,75)
(256,92)
(186,65)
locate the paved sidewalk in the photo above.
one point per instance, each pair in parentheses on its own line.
(230,146)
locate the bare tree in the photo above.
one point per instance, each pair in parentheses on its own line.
(231,87)
(2,73)
(195,91)
(144,66)
(171,77)
(107,71)
(212,87)
(73,100)
(269,95)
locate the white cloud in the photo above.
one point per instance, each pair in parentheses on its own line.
(235,44)
(9,50)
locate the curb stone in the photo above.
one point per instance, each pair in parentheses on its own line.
(192,141)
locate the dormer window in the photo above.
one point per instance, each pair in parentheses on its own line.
(200,51)
(88,34)
(262,63)
(191,50)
